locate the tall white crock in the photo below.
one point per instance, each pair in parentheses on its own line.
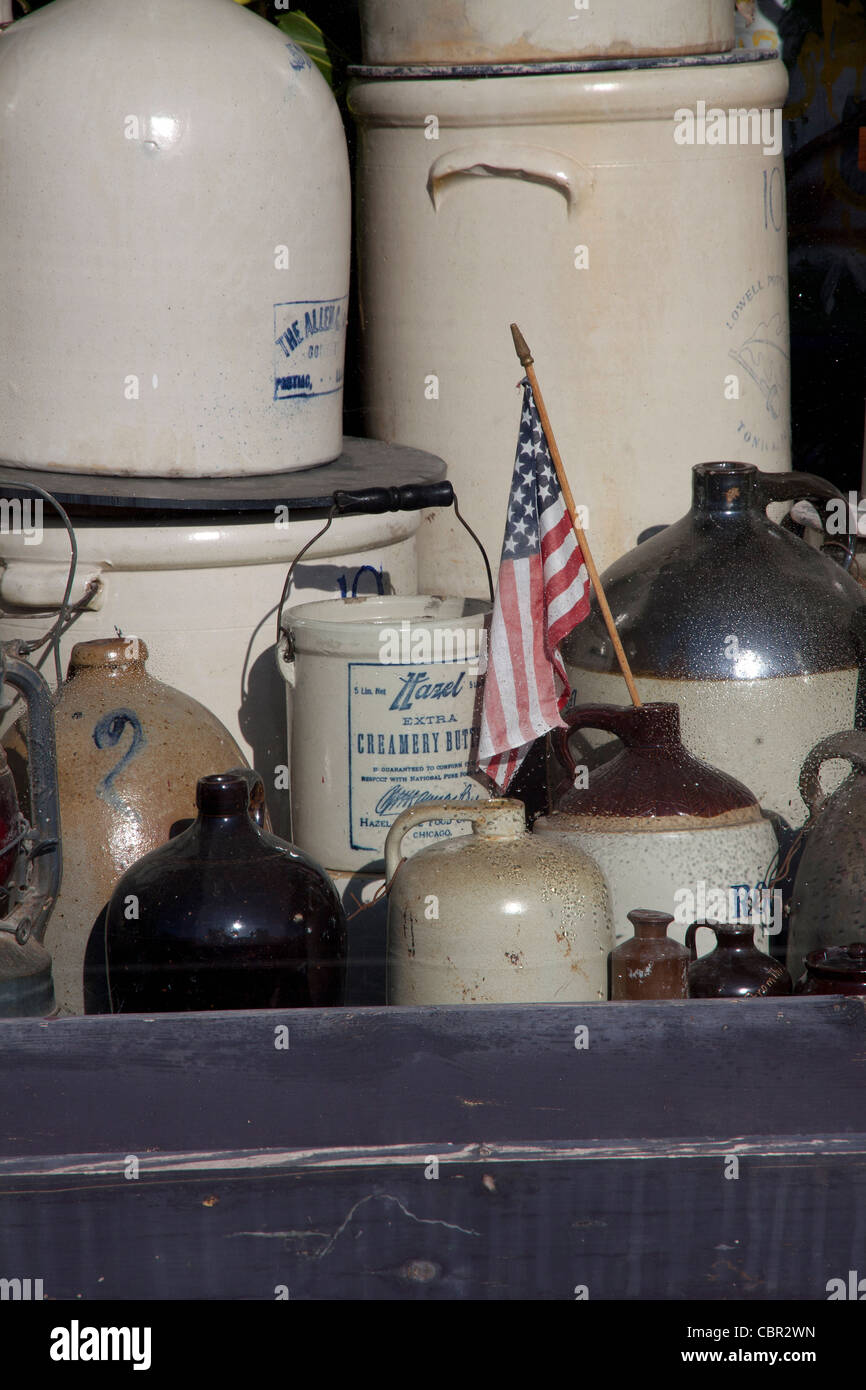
(174,243)
(648,276)
(512,31)
(382,697)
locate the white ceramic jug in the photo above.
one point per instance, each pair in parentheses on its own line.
(496,917)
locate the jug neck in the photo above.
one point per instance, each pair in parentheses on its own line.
(109,659)
(223,809)
(500,818)
(733,936)
(649,925)
(725,489)
(653,729)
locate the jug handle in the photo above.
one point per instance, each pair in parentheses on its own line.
(794,487)
(416,815)
(613,718)
(849,745)
(691,937)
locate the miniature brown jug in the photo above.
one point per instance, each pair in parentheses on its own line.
(649,965)
(735,969)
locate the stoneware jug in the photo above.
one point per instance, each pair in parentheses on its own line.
(664,827)
(224,916)
(497,917)
(735,968)
(828,904)
(835,970)
(649,965)
(129,753)
(759,638)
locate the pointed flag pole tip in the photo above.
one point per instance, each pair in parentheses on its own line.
(521,347)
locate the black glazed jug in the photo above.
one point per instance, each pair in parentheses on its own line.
(758,637)
(224,916)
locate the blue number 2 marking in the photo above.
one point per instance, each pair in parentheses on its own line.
(107,734)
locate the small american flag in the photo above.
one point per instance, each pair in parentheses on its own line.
(542,592)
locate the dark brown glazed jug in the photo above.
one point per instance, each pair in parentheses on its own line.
(653,775)
(649,965)
(223,916)
(835,970)
(663,826)
(736,969)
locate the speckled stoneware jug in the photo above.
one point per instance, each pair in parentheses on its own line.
(496,917)
(760,639)
(664,827)
(130,751)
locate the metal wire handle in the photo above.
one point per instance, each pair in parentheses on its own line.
(373,501)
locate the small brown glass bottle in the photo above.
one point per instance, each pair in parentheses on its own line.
(649,965)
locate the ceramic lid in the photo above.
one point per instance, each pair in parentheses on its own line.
(838,962)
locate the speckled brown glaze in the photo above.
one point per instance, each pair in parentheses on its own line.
(653,777)
(130,751)
(658,821)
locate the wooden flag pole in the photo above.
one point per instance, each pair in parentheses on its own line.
(526,360)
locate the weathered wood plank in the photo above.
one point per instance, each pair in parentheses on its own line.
(213,1082)
(659,1229)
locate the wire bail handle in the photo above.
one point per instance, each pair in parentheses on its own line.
(413,497)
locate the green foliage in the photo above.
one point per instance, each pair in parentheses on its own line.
(308,36)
